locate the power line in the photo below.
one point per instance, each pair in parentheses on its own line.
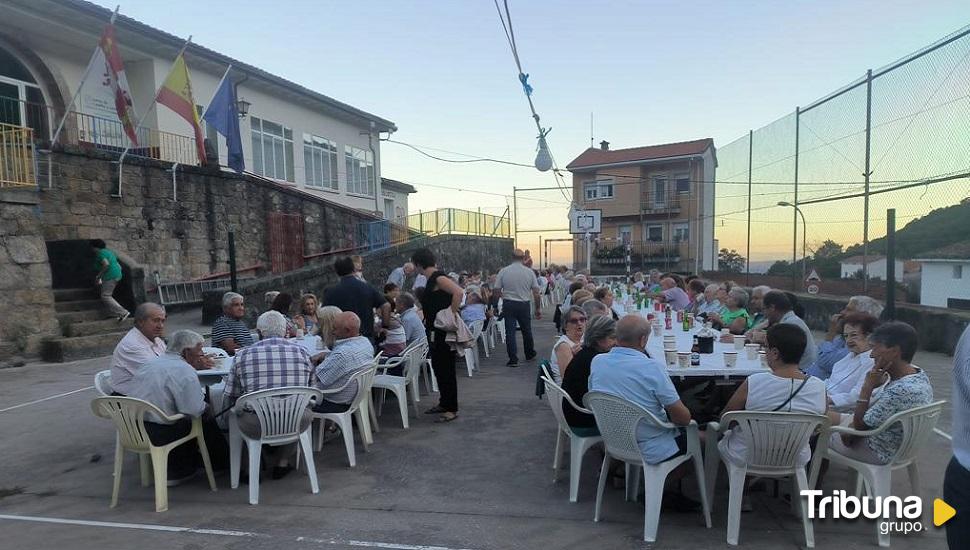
(464,161)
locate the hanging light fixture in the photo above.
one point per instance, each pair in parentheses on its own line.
(543,159)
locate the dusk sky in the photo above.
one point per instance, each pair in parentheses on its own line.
(651,72)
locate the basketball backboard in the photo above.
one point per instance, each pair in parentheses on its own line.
(585,221)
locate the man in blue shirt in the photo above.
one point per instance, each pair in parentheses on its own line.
(352,294)
(627,372)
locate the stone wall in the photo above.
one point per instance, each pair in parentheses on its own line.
(184,238)
(454,253)
(26,299)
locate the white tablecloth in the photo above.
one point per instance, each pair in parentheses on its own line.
(712,364)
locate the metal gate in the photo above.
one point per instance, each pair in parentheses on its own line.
(285,241)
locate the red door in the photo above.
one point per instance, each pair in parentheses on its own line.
(285,241)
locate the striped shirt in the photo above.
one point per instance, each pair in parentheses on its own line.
(348,356)
(270,363)
(961,400)
(225,327)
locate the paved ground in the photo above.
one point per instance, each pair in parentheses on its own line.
(482,482)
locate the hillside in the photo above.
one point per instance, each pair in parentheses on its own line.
(941,227)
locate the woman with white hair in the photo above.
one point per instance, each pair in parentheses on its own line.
(834,348)
(710,304)
(734,317)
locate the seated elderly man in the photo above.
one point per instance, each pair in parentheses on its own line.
(756,306)
(142,344)
(605,295)
(834,348)
(626,371)
(170,383)
(778,310)
(229,332)
(413,325)
(351,352)
(672,294)
(273,362)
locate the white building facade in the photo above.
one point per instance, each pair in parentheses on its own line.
(291,134)
(877,268)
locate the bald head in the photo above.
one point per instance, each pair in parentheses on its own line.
(667,283)
(346,325)
(632,331)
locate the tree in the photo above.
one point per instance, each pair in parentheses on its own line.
(784,267)
(730,261)
(827,259)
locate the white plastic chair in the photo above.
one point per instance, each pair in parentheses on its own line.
(500,324)
(917,425)
(578,445)
(280,412)
(775,439)
(363,378)
(617,420)
(411,359)
(102,383)
(471,354)
(128,415)
(482,339)
(215,351)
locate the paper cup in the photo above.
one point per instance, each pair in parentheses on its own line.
(751,351)
(739,343)
(683,359)
(725,332)
(763,359)
(670,355)
(730,358)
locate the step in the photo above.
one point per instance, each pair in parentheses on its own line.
(77,305)
(71,317)
(71,294)
(59,350)
(104,326)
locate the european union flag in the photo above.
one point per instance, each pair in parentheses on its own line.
(223,116)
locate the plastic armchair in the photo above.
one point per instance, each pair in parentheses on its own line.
(102,383)
(128,415)
(471,353)
(411,359)
(280,412)
(774,442)
(578,445)
(208,350)
(917,425)
(617,420)
(363,378)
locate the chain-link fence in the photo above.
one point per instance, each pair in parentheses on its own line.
(898,137)
(541,224)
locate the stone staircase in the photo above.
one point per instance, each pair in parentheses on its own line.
(86,332)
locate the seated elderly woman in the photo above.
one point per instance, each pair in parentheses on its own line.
(695,293)
(834,347)
(595,307)
(283,303)
(581,296)
(848,373)
(600,337)
(734,317)
(709,303)
(574,324)
(784,389)
(327,315)
(474,308)
(903,386)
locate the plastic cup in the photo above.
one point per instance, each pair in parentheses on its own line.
(730,358)
(670,355)
(299,333)
(751,351)
(739,343)
(683,359)
(763,359)
(725,332)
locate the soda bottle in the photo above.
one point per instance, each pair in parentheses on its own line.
(686,322)
(668,319)
(695,353)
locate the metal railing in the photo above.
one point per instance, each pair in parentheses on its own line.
(379,234)
(17,167)
(454,221)
(187,292)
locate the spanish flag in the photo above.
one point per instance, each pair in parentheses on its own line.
(176,94)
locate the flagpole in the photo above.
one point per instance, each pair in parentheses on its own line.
(218,86)
(141,119)
(77,92)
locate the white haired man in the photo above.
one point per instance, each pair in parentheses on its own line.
(170,383)
(400,274)
(140,345)
(229,332)
(351,353)
(273,362)
(834,348)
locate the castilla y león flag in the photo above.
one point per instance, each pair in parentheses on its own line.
(176,94)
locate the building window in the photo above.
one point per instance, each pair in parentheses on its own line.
(598,190)
(683,183)
(388,208)
(360,171)
(655,233)
(659,192)
(272,149)
(958,272)
(320,162)
(625,233)
(681,232)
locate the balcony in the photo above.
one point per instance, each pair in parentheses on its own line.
(666,256)
(16,157)
(668,204)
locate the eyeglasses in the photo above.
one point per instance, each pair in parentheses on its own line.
(577,320)
(852,336)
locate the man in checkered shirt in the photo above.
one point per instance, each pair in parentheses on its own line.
(351,353)
(273,362)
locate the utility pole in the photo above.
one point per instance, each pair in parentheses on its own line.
(868,172)
(794,237)
(747,260)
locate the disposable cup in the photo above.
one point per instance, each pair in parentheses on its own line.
(670,355)
(683,359)
(763,359)
(730,358)
(739,343)
(751,351)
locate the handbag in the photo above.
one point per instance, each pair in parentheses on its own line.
(792,396)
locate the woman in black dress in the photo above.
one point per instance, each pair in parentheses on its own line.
(440,293)
(599,337)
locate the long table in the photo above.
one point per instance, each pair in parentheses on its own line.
(712,364)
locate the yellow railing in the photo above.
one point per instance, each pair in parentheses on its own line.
(17,157)
(447,221)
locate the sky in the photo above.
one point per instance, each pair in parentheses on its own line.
(649,72)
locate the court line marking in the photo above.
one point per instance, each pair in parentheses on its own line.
(34,402)
(220,532)
(943,434)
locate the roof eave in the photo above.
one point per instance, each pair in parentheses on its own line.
(587,167)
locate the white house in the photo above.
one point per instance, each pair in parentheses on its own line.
(291,134)
(877,267)
(946,277)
